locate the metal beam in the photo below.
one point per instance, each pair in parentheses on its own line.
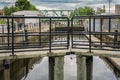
(56,12)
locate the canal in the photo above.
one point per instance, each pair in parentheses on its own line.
(98,69)
(69,67)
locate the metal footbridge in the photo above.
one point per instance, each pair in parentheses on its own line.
(26,37)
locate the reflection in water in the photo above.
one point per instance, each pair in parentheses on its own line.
(101,71)
(112,68)
(89,68)
(70,67)
(96,69)
(40,71)
(15,69)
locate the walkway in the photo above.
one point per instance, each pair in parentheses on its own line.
(58,36)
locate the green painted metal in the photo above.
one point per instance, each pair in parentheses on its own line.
(56,12)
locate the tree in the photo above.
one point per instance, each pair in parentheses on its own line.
(7,11)
(82,11)
(100,10)
(19,6)
(24,5)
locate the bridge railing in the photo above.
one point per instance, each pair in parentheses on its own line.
(27,33)
(101,32)
(20,33)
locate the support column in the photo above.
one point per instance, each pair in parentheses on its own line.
(81,68)
(51,68)
(89,67)
(6,64)
(59,68)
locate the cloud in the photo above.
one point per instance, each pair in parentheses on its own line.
(70,4)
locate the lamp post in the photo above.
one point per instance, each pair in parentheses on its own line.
(109,1)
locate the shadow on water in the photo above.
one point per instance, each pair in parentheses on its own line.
(16,69)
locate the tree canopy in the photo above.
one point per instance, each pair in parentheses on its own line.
(19,6)
(82,11)
(100,10)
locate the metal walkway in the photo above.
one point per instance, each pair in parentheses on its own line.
(26,37)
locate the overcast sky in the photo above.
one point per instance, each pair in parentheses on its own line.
(70,4)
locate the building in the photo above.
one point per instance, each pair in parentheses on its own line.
(26,21)
(1,13)
(105,23)
(117,9)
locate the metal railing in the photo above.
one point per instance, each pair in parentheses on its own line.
(101,32)
(21,34)
(32,34)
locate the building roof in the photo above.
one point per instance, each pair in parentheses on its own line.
(28,13)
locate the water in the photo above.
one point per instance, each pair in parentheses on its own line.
(99,70)
(39,72)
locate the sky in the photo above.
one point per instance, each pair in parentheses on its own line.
(72,4)
(69,4)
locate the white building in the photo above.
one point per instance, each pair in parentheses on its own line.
(27,21)
(113,23)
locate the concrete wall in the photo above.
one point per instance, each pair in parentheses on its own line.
(117,9)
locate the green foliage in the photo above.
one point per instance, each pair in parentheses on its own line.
(24,5)
(7,10)
(82,11)
(19,6)
(100,10)
(2,22)
(32,7)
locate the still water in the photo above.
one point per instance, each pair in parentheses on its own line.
(69,67)
(97,69)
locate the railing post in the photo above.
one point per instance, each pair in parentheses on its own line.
(39,32)
(109,24)
(89,33)
(3,34)
(115,39)
(8,29)
(50,35)
(71,33)
(101,33)
(93,24)
(26,35)
(68,34)
(12,36)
